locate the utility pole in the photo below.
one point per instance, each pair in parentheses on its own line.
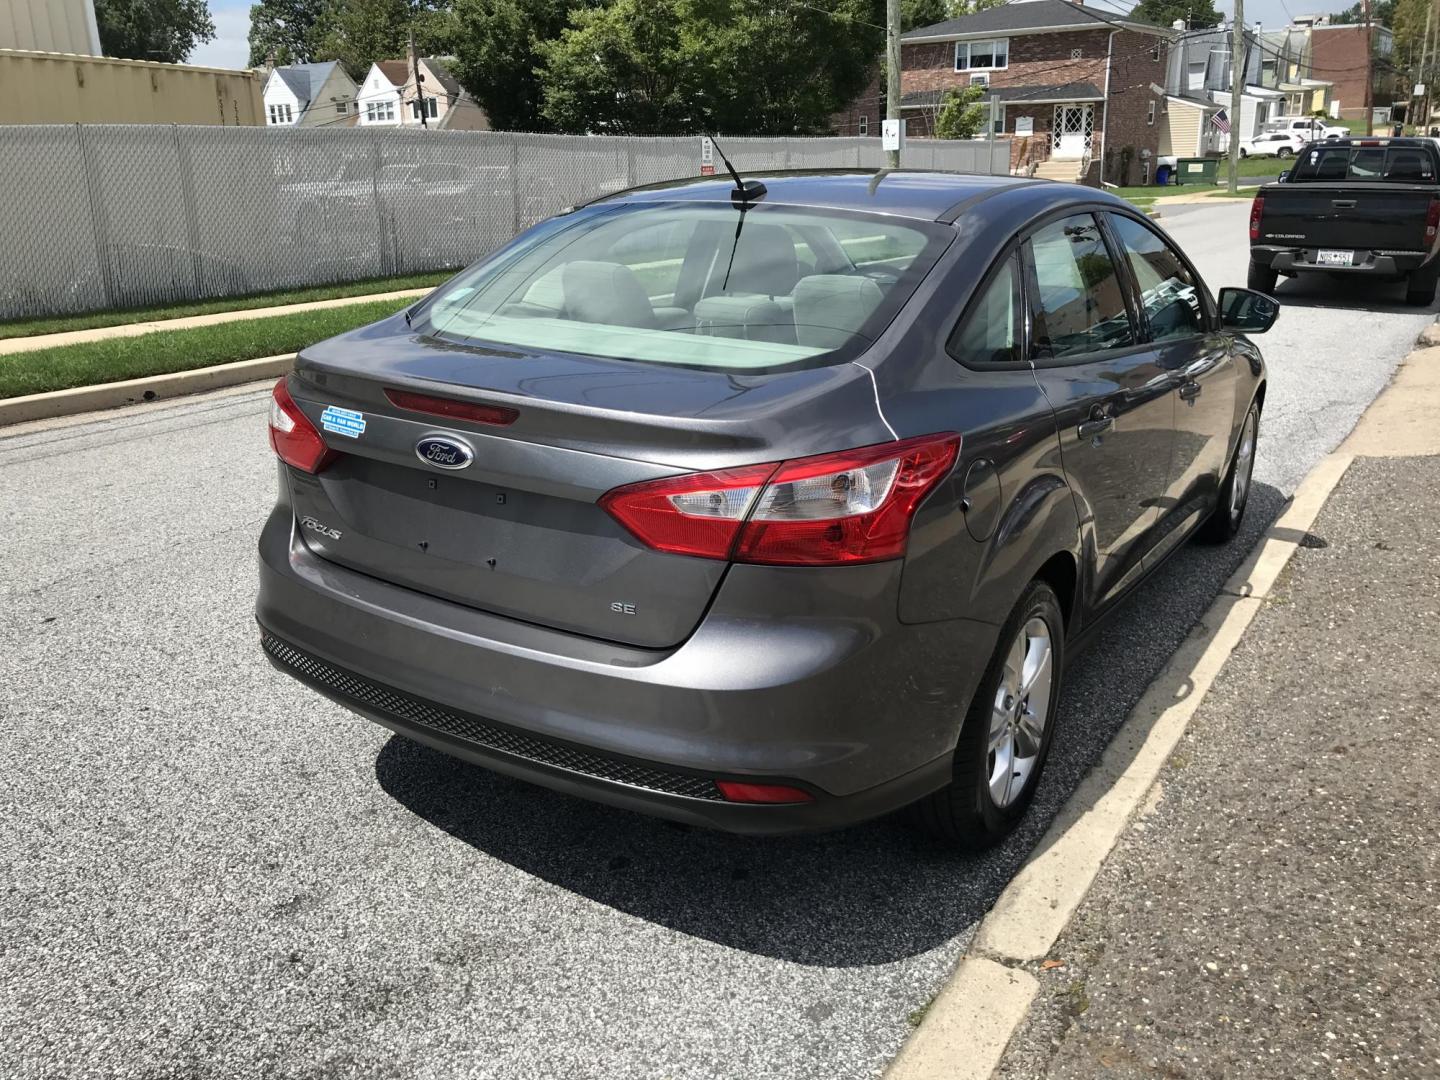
(1369,70)
(892,72)
(1423,105)
(419,81)
(1237,83)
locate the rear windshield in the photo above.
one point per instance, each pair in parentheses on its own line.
(698,285)
(1399,164)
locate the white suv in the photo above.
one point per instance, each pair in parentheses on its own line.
(1280,144)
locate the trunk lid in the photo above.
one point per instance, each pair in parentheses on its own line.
(517,531)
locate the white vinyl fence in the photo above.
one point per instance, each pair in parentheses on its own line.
(117,216)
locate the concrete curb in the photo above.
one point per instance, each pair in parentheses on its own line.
(11,346)
(83,399)
(1042,898)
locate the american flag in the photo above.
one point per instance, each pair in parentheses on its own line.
(1221,121)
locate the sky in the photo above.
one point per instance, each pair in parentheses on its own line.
(231,48)
(232,24)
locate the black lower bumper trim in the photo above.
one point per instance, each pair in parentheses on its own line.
(373,696)
(642,786)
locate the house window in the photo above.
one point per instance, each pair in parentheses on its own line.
(1150,112)
(979,80)
(982,55)
(432,108)
(864,126)
(341,107)
(380,112)
(1155,52)
(281,114)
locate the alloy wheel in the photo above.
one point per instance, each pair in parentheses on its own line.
(1020,712)
(1244,466)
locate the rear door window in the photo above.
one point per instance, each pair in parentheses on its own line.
(1080,303)
(1398,164)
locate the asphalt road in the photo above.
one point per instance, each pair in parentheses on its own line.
(212,872)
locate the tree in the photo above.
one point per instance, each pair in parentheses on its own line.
(961,114)
(359,32)
(1195,14)
(728,66)
(498,49)
(915,13)
(163,30)
(290,30)
(1381,11)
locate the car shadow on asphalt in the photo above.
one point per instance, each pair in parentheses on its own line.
(871,894)
(1349,293)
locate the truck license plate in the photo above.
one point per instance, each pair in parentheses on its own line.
(1335,258)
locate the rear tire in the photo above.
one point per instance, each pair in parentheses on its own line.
(1001,754)
(1261,278)
(1420,287)
(1224,521)
(1284,152)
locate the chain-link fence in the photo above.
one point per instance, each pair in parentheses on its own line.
(111,216)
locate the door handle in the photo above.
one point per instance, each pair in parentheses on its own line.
(1189,391)
(1343,204)
(1100,421)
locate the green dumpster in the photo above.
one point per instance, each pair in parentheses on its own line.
(1196,170)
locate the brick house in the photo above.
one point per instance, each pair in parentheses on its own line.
(1068,84)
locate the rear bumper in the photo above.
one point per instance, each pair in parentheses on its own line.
(859,710)
(1303,260)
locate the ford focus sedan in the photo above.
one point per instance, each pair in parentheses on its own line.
(768,508)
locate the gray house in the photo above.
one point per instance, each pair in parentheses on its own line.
(1197,80)
(309,95)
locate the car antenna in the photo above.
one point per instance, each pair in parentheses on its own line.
(744,193)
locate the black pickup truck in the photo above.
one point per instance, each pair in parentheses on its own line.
(1352,206)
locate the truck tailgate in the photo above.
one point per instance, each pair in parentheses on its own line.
(1370,217)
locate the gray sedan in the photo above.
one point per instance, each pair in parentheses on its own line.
(765,507)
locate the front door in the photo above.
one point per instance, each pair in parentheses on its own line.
(1180,322)
(1073,125)
(1114,403)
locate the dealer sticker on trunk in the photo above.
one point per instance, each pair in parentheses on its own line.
(343,421)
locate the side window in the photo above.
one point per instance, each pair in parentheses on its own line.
(990,333)
(1081,303)
(1173,300)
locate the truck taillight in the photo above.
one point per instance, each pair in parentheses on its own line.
(1256,209)
(832,509)
(1432,222)
(294,439)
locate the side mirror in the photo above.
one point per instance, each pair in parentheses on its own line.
(1247,310)
(1285,175)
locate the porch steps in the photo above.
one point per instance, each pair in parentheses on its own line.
(1066,170)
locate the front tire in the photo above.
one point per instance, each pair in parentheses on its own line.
(1224,521)
(1261,278)
(1006,735)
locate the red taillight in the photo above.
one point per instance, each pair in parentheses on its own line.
(1256,209)
(1432,222)
(850,507)
(762,793)
(292,436)
(455,410)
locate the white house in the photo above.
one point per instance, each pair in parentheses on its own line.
(309,95)
(388,98)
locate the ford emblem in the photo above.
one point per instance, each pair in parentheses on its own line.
(444,452)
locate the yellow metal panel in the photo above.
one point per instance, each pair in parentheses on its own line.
(47,26)
(50,88)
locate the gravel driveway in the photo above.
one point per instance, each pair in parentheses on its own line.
(212,872)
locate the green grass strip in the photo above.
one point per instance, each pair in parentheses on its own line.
(92,320)
(166,351)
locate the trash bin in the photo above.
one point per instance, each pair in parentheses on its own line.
(1196,170)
